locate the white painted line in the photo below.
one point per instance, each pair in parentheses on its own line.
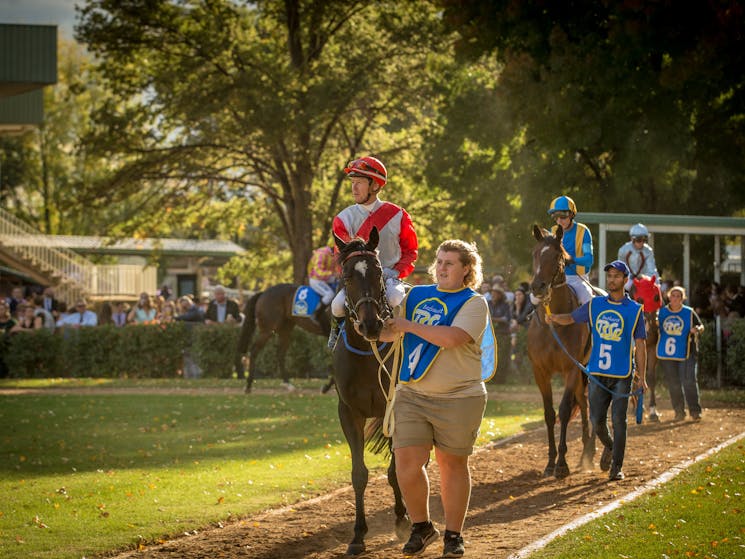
(664,478)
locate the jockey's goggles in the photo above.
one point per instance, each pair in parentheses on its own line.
(361,165)
(561,214)
(639,239)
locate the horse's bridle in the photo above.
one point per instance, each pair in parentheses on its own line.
(384,310)
(560,271)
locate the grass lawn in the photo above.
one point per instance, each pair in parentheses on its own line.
(700,513)
(86,473)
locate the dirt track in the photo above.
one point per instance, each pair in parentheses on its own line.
(511,505)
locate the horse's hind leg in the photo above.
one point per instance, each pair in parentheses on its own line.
(256,348)
(403,524)
(353,425)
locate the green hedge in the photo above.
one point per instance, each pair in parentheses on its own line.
(151,351)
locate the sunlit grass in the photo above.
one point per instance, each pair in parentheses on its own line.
(700,513)
(87,473)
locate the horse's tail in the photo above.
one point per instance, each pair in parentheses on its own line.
(375,441)
(249,325)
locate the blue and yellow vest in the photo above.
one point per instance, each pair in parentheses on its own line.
(573,242)
(674,329)
(426,304)
(613,324)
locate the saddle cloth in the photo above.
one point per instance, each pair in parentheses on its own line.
(305,301)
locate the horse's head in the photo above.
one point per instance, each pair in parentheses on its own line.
(648,293)
(366,304)
(549,260)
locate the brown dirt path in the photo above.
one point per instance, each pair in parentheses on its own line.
(511,505)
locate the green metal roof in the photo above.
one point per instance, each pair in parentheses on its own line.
(661,223)
(28,57)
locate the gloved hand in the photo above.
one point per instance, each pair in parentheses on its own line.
(390,273)
(569,261)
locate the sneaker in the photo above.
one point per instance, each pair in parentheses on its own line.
(422,534)
(615,474)
(606,459)
(453,545)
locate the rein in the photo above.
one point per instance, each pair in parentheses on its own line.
(639,392)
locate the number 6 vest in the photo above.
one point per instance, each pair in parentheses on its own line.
(674,329)
(613,324)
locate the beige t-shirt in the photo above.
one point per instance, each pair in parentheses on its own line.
(456,372)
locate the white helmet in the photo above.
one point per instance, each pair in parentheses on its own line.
(638,230)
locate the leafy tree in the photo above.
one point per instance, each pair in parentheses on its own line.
(259,101)
(626,106)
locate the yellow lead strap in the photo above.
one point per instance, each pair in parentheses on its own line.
(546,309)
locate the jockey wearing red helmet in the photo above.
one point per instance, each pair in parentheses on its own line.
(398,244)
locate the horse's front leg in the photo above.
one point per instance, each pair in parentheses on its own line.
(353,425)
(282,347)
(565,414)
(549,416)
(652,383)
(403,524)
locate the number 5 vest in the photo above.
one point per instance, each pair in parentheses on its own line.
(613,324)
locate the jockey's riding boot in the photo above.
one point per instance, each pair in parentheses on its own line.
(334,333)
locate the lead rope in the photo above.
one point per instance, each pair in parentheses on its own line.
(389,421)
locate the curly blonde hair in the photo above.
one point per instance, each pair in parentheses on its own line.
(468,255)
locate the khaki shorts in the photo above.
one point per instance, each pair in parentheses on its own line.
(450,424)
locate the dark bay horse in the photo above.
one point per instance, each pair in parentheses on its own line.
(648,293)
(549,290)
(270,312)
(362,392)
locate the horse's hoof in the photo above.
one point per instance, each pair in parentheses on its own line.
(247,390)
(549,471)
(561,471)
(354,549)
(654,417)
(403,528)
(288,386)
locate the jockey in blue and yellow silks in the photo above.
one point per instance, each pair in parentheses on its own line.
(426,304)
(577,241)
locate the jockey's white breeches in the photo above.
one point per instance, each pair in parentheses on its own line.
(323,289)
(581,288)
(394,292)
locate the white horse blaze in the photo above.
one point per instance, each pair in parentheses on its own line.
(361,267)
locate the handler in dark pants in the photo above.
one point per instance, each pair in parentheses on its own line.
(677,352)
(617,333)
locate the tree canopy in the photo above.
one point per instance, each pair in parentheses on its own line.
(626,106)
(264,101)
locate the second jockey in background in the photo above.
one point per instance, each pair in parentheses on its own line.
(638,255)
(577,241)
(322,276)
(398,246)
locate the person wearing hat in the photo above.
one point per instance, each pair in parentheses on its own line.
(398,245)
(618,333)
(501,316)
